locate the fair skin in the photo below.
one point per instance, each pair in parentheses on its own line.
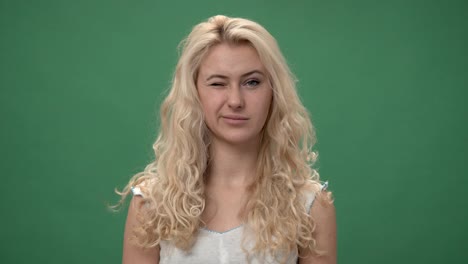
(132,253)
(236,96)
(323,213)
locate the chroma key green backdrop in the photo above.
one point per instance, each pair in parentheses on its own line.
(385,82)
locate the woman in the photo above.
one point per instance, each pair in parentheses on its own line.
(232,181)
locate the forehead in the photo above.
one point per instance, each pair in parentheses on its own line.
(231,60)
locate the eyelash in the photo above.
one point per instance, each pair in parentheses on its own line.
(257,83)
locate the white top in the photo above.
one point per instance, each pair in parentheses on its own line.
(213,247)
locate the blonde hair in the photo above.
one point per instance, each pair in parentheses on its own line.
(174,182)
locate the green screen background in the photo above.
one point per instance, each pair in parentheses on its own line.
(385,81)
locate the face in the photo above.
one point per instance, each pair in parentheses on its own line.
(235,93)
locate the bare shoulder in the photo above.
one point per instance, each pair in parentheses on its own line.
(131,252)
(324,216)
(323,206)
(324,213)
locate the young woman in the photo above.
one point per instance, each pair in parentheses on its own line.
(232,181)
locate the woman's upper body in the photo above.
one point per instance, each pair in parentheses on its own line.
(220,247)
(234,151)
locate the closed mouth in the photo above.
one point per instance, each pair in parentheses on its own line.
(235,117)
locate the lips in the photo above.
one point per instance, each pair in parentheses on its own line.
(235,117)
(235,120)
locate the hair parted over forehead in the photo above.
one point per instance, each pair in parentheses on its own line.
(222,29)
(174,181)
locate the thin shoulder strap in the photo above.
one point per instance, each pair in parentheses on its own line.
(324,186)
(137,191)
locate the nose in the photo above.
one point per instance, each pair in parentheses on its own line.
(235,98)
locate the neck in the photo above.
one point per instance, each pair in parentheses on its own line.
(232,166)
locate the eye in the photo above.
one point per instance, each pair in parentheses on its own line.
(252,83)
(217,84)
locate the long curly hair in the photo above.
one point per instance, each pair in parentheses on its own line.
(174,182)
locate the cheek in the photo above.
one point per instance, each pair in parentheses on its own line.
(209,110)
(204,101)
(266,111)
(211,102)
(266,103)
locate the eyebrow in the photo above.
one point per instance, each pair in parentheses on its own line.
(225,77)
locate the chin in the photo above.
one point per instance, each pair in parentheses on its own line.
(240,139)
